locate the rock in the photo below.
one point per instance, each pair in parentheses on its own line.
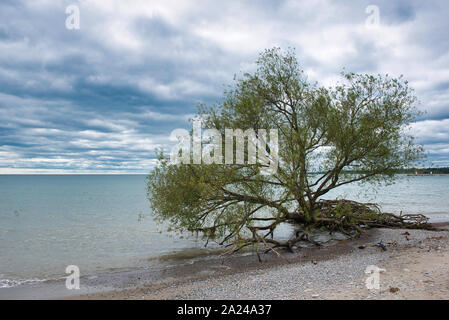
(315,295)
(394,290)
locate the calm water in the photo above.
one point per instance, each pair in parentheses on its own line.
(101,222)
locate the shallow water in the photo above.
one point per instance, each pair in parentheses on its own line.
(103,222)
(428,195)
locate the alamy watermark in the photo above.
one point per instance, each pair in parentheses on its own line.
(73,279)
(72,22)
(372,282)
(207,147)
(373,18)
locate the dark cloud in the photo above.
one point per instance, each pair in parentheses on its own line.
(104,97)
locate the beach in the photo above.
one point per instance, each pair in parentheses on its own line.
(50,222)
(417,268)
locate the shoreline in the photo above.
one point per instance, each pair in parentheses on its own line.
(417,267)
(168,273)
(317,271)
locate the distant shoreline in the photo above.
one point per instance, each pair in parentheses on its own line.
(428,174)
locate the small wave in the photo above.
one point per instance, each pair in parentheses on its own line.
(10,283)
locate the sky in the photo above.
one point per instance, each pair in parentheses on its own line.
(102,98)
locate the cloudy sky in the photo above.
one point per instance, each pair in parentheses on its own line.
(103,97)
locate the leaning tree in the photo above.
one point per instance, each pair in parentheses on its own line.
(354,132)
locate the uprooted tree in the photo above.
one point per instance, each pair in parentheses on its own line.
(354,132)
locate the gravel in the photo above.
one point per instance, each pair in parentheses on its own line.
(307,280)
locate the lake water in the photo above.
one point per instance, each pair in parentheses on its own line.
(103,222)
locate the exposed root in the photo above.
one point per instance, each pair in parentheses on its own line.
(345,216)
(349,214)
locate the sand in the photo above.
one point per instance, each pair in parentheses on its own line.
(416,267)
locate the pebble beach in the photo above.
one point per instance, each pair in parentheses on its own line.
(414,266)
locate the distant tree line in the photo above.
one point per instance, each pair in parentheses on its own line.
(444,170)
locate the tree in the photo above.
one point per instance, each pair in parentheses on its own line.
(328,137)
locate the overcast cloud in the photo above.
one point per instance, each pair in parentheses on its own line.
(104,97)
